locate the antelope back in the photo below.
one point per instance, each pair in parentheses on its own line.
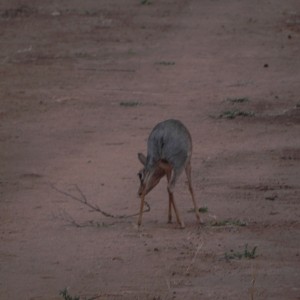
(169,141)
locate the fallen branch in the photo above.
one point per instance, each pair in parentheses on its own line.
(82,199)
(64,216)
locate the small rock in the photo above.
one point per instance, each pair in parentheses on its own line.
(55,13)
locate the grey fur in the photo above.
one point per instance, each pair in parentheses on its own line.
(169,141)
(169,152)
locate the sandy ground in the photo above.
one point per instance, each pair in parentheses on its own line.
(82,85)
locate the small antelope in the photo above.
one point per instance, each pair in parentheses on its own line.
(169,152)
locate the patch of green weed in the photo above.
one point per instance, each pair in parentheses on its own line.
(66,296)
(238,100)
(232,114)
(248,254)
(165,63)
(203,209)
(129,103)
(228,223)
(145,2)
(131,52)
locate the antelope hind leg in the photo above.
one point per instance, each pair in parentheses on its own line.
(188,170)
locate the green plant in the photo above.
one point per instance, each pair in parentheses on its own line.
(228,223)
(233,255)
(131,52)
(165,63)
(232,114)
(250,254)
(144,2)
(239,255)
(129,103)
(203,209)
(238,100)
(66,296)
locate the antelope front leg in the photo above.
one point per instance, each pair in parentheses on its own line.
(170,209)
(168,173)
(141,210)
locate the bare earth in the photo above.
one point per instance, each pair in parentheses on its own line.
(82,85)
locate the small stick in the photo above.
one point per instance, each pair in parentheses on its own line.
(84,201)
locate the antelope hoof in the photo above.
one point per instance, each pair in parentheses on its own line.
(182,226)
(200,222)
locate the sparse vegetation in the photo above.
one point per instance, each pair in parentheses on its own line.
(238,100)
(131,52)
(165,63)
(232,114)
(228,223)
(129,103)
(145,2)
(203,209)
(66,296)
(249,254)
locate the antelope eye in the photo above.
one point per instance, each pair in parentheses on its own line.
(140,175)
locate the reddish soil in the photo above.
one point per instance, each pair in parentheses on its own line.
(82,85)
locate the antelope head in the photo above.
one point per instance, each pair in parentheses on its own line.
(150,176)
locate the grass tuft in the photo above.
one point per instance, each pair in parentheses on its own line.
(248,254)
(145,2)
(66,296)
(129,103)
(232,114)
(203,209)
(165,63)
(238,100)
(228,223)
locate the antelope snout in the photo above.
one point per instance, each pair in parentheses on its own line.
(141,191)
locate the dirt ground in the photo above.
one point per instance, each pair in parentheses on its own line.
(82,85)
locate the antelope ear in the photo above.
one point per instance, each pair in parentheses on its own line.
(164,165)
(142,158)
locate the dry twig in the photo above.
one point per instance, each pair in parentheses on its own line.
(82,199)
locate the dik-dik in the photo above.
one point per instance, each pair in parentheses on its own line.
(169,152)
